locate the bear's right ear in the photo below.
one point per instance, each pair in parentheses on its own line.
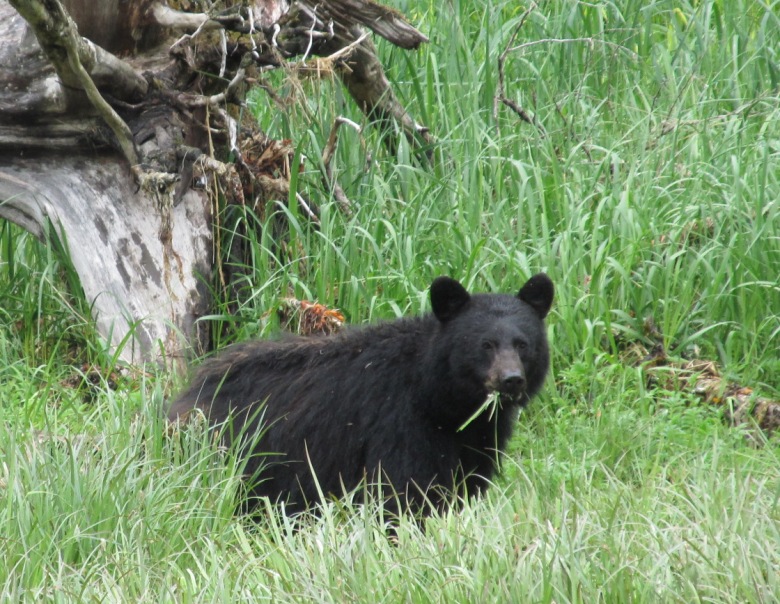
(538,293)
(448,297)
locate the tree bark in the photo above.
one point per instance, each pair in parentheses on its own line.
(114,117)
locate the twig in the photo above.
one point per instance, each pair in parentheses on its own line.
(232,129)
(216,99)
(348,48)
(525,45)
(174,19)
(522,113)
(252,31)
(501,96)
(223,52)
(591,41)
(307,209)
(343,51)
(327,155)
(311,38)
(118,126)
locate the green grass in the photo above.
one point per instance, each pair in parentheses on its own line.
(652,192)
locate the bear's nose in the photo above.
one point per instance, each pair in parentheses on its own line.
(512,383)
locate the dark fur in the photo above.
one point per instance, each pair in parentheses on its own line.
(390,396)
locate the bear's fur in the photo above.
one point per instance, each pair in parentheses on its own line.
(388,404)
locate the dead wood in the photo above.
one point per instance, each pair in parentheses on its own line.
(115,122)
(383,21)
(75,59)
(740,404)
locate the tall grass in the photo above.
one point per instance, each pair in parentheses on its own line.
(649,191)
(613,504)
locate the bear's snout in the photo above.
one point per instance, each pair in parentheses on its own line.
(512,384)
(507,375)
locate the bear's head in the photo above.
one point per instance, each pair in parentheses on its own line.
(492,342)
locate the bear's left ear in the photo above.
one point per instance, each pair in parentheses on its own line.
(538,293)
(448,297)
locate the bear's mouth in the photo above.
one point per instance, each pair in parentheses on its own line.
(513,394)
(511,398)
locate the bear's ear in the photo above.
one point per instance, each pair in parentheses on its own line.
(538,294)
(448,297)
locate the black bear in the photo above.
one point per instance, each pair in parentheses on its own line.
(400,404)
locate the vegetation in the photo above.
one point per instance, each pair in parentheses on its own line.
(648,187)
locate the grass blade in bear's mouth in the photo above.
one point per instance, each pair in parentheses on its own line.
(491,402)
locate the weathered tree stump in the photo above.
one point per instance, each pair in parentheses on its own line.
(114,117)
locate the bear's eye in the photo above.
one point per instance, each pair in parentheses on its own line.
(520,344)
(487,345)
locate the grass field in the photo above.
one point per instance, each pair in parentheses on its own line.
(648,188)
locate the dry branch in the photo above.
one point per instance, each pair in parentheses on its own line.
(501,96)
(327,155)
(383,21)
(361,73)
